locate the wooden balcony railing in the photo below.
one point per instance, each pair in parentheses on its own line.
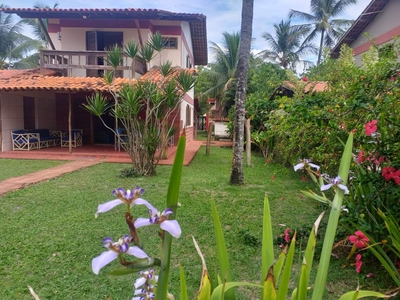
(67,61)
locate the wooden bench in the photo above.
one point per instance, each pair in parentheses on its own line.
(76,138)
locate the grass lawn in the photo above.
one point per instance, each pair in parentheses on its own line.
(49,234)
(18,167)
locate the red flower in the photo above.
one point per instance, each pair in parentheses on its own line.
(388,173)
(305,79)
(396,177)
(360,157)
(359,239)
(287,235)
(370,127)
(273,177)
(358,263)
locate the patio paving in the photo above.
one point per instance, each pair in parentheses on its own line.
(83,157)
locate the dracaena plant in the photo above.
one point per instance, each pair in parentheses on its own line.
(276,273)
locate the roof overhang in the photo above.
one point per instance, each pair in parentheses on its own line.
(197,22)
(369,13)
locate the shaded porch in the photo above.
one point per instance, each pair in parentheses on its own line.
(103,153)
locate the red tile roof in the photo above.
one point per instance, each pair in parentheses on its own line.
(197,22)
(287,87)
(366,17)
(31,80)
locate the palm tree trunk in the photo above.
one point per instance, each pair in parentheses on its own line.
(321,45)
(237,176)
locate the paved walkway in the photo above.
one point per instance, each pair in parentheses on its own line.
(16,183)
(82,159)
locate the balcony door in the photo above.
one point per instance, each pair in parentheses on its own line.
(101,41)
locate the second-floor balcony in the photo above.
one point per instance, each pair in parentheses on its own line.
(87,63)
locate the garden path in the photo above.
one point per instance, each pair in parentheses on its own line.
(81,160)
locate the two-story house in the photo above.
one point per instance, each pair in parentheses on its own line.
(379,20)
(70,69)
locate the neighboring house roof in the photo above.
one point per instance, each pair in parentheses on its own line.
(366,17)
(197,22)
(7,74)
(287,88)
(154,74)
(32,80)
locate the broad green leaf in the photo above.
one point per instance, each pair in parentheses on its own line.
(227,286)
(334,215)
(221,250)
(269,291)
(284,281)
(279,264)
(361,294)
(172,202)
(303,281)
(267,251)
(184,295)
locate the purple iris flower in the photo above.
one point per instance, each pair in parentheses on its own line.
(114,249)
(337,181)
(304,163)
(172,226)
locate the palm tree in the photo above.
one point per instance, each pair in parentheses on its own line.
(287,47)
(14,46)
(34,23)
(237,175)
(321,21)
(222,72)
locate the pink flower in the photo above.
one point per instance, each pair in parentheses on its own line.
(360,157)
(388,173)
(287,235)
(359,239)
(370,127)
(358,263)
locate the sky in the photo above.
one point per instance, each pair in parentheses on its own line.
(222,15)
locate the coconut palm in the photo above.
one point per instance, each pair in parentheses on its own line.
(321,21)
(222,72)
(287,46)
(34,23)
(14,46)
(237,175)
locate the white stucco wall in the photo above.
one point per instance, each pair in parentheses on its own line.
(12,113)
(12,117)
(385,21)
(184,105)
(185,52)
(220,130)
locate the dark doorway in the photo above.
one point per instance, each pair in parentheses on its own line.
(29,113)
(102,41)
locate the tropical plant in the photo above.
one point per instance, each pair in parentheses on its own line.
(276,274)
(38,30)
(144,108)
(14,46)
(287,47)
(237,175)
(219,77)
(321,21)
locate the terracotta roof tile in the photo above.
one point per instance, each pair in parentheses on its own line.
(314,86)
(6,74)
(154,74)
(30,80)
(55,83)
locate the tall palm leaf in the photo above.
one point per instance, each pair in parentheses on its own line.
(321,21)
(34,23)
(222,72)
(14,46)
(287,47)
